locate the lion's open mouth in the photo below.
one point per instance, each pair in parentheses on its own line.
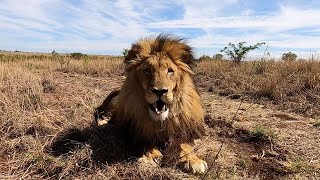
(159,107)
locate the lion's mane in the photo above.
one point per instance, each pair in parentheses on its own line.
(186,114)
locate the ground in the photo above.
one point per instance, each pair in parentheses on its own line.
(47,130)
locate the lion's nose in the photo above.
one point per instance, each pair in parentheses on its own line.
(159,92)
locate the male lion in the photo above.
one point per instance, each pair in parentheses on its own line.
(158,100)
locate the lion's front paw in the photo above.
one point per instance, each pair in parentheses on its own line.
(151,158)
(193,165)
(147,162)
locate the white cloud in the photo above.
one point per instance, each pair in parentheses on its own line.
(109,26)
(202,9)
(287,18)
(272,29)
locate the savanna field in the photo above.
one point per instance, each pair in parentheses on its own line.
(262,120)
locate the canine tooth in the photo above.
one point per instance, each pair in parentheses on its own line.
(163,108)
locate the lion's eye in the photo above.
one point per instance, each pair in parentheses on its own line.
(170,71)
(147,71)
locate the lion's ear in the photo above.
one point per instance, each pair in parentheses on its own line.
(185,67)
(187,59)
(132,59)
(187,55)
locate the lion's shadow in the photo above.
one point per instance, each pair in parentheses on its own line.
(108,143)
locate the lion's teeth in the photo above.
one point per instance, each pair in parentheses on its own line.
(158,109)
(164,108)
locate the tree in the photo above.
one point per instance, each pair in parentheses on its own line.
(204,58)
(125,51)
(289,56)
(238,51)
(218,56)
(54,53)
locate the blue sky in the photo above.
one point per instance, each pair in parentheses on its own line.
(106,27)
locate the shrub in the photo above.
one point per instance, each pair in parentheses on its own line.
(1,57)
(54,53)
(289,56)
(78,55)
(218,56)
(259,67)
(204,57)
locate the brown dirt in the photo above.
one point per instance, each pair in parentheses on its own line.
(288,137)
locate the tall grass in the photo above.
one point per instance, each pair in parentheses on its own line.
(35,106)
(291,85)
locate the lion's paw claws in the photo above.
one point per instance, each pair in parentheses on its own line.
(195,166)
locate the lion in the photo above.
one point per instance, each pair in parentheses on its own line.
(159,101)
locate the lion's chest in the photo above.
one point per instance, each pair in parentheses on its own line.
(151,132)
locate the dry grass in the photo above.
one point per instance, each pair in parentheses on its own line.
(35,106)
(46,104)
(46,127)
(291,86)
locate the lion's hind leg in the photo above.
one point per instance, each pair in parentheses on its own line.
(104,112)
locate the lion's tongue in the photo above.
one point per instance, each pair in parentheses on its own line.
(159,107)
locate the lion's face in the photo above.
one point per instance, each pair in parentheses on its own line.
(158,65)
(158,75)
(158,99)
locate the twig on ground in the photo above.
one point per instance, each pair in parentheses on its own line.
(222,143)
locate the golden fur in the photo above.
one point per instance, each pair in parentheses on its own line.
(185,120)
(158,101)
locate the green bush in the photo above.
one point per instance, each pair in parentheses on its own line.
(204,57)
(54,53)
(289,56)
(77,55)
(218,56)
